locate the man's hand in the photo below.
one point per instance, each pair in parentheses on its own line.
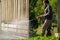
(37,17)
(41,15)
(46,14)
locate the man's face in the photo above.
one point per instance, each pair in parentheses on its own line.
(44,4)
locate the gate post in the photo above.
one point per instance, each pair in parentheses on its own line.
(58,23)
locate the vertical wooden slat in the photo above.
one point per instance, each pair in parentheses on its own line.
(0,14)
(15,9)
(27,9)
(24,3)
(27,14)
(58,23)
(19,10)
(6,11)
(10,10)
(3,10)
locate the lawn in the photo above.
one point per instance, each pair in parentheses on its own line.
(38,37)
(42,38)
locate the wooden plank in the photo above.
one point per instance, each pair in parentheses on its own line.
(27,9)
(19,10)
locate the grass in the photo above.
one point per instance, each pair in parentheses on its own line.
(42,38)
(38,37)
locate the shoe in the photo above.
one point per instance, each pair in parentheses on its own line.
(48,33)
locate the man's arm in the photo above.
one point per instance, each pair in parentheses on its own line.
(45,14)
(48,13)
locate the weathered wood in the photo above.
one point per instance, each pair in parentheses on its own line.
(15,17)
(58,28)
(27,9)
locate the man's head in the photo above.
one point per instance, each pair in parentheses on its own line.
(45,2)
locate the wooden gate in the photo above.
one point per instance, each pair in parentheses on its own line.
(15,17)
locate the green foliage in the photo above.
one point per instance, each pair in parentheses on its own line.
(54,4)
(54,25)
(37,8)
(42,38)
(38,37)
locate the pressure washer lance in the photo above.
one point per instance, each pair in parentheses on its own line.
(37,22)
(32,19)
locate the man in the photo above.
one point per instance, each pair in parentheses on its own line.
(48,18)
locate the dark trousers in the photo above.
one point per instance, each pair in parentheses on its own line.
(47,26)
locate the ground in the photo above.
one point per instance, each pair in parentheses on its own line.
(53,37)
